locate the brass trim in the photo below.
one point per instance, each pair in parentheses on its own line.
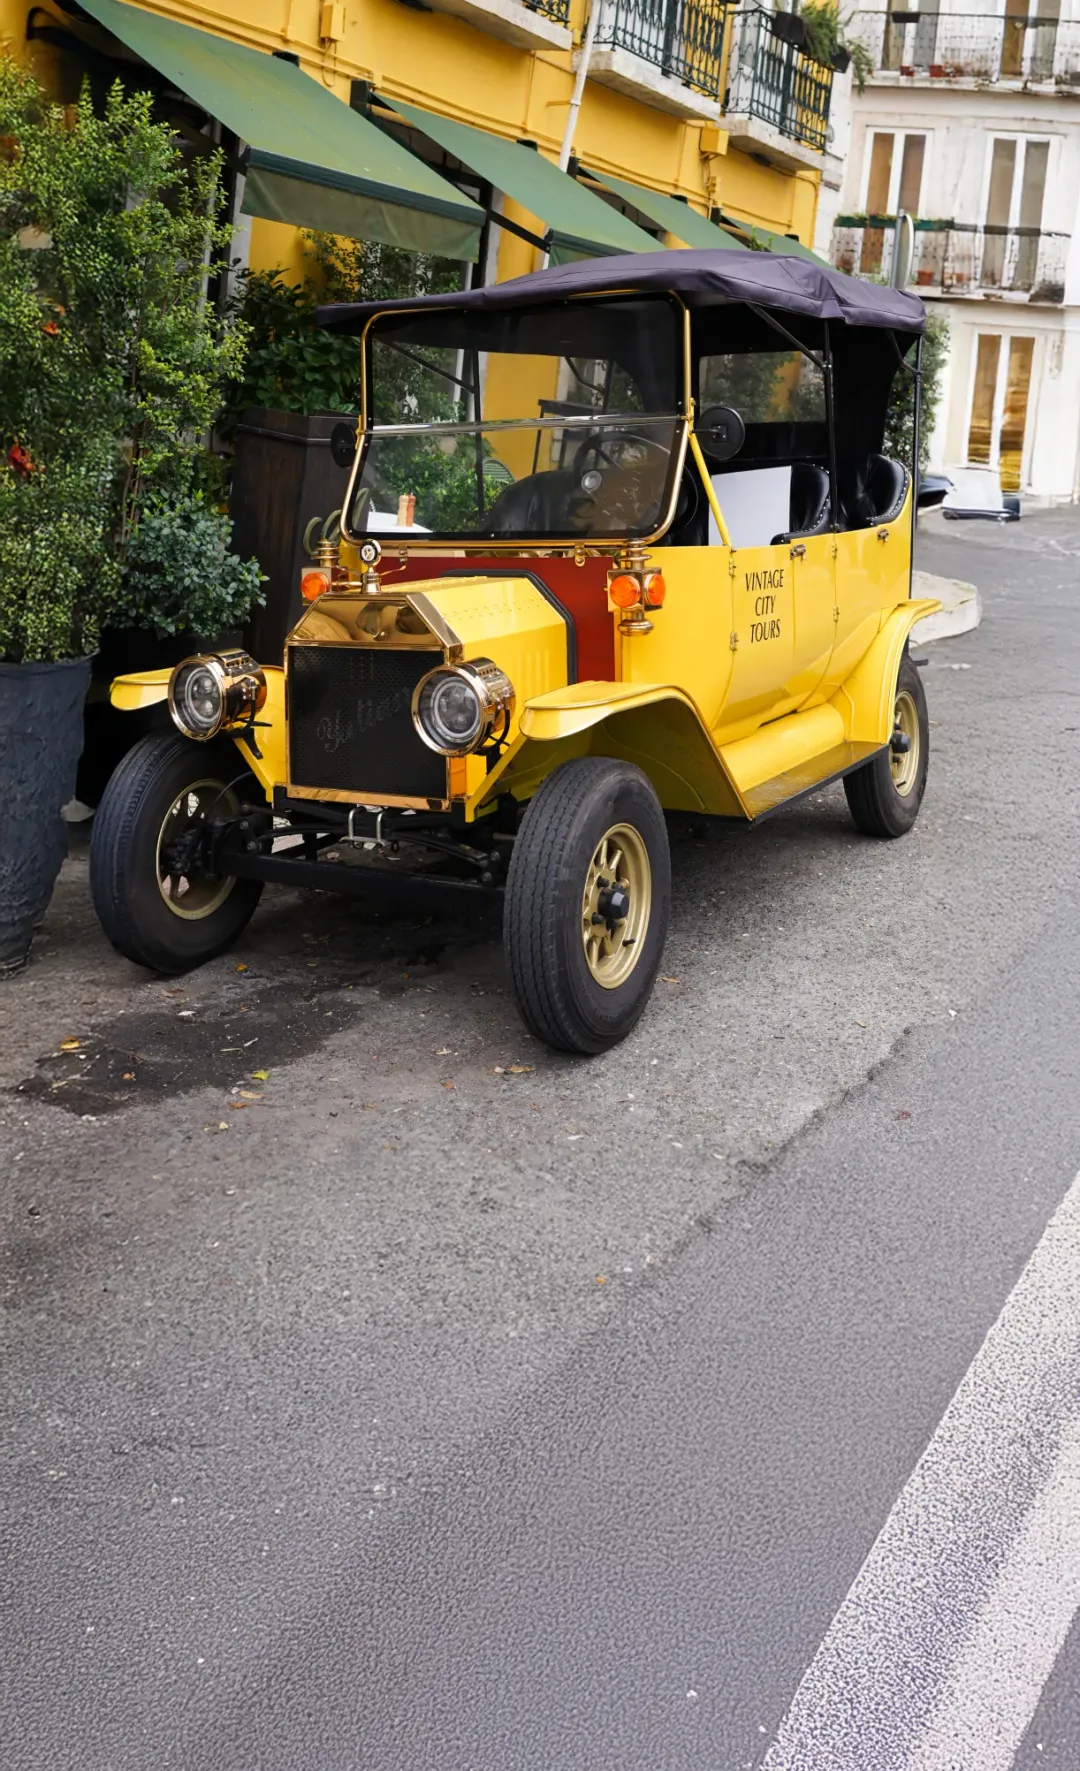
(361,797)
(429,611)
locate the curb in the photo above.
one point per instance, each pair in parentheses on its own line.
(960,612)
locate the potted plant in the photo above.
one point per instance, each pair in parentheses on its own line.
(111,366)
(828,42)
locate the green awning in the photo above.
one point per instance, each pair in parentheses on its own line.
(312,161)
(770,242)
(670,214)
(581,224)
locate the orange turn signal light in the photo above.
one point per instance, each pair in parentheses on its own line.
(655,590)
(314,584)
(624,591)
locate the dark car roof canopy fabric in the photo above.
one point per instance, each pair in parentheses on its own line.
(579,221)
(702,278)
(312,161)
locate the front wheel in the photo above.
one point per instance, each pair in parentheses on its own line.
(884,796)
(588,898)
(154,897)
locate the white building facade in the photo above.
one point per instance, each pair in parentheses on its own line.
(970,121)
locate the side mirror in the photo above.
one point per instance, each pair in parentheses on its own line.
(343,444)
(933,489)
(721,432)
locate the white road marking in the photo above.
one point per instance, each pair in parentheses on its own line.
(937,1657)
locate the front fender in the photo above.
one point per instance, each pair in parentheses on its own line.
(865,698)
(654,725)
(145,688)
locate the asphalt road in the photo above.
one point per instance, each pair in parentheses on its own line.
(431,1401)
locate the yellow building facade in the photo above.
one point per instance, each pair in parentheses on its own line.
(736,132)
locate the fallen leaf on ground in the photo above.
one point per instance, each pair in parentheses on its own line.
(241,968)
(248,1094)
(129,1076)
(601,1279)
(519,1069)
(667,980)
(223,1125)
(448,1085)
(859,1023)
(261,1075)
(444,1052)
(70,1045)
(186,1014)
(237,1106)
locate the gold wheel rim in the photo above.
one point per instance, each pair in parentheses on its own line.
(192,896)
(905,763)
(613,942)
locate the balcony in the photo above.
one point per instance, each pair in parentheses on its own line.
(977,48)
(958,260)
(778,97)
(529,24)
(667,53)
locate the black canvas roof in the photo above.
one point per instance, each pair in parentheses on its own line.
(702,278)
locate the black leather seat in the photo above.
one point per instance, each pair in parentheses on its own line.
(875,494)
(809,510)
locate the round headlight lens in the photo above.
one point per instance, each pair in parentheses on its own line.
(197,699)
(449,708)
(457,708)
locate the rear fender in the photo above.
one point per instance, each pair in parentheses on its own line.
(865,699)
(655,726)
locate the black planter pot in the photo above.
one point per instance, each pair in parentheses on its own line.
(285,478)
(41,735)
(790,28)
(841,60)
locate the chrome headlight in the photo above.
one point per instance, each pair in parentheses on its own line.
(457,707)
(214,692)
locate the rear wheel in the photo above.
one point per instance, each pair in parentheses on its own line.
(587,904)
(884,796)
(156,900)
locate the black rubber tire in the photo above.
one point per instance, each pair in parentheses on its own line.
(123,855)
(559,999)
(873,800)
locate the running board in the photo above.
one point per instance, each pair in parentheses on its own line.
(807,777)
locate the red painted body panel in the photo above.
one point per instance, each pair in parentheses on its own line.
(582,590)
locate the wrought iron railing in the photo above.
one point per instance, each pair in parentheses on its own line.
(682,38)
(971,46)
(556,10)
(957,259)
(774,80)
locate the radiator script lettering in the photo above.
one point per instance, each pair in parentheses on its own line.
(336,729)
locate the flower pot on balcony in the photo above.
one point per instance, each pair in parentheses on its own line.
(938,71)
(41,735)
(924,278)
(790,28)
(841,60)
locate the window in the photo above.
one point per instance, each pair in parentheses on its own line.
(999,405)
(1014,205)
(894,181)
(765,387)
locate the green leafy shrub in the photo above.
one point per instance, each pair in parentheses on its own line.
(826,37)
(179,573)
(901,412)
(292,365)
(112,364)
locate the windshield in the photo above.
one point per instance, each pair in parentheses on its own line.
(554,424)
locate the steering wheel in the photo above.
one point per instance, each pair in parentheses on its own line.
(592,444)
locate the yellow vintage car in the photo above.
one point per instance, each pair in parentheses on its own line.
(620,540)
